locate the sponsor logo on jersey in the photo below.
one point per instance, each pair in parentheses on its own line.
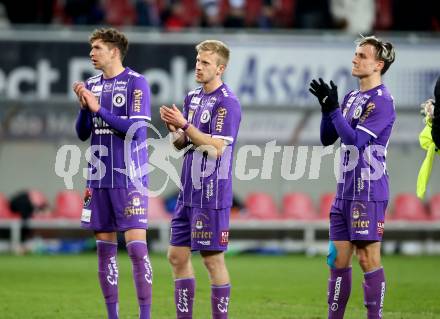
(86,215)
(362,232)
(209,192)
(205,117)
(370,107)
(135,206)
(118,99)
(225,92)
(360,224)
(137,100)
(224,237)
(356,213)
(380,227)
(195,100)
(112,277)
(201,228)
(96,88)
(221,115)
(204,242)
(134,74)
(223,304)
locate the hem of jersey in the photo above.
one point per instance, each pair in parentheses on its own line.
(112,187)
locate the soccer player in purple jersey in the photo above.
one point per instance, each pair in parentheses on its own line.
(363,123)
(208,126)
(110,103)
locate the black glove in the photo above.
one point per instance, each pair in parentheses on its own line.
(327,96)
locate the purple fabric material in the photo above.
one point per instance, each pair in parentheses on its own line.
(357,220)
(363,175)
(374,293)
(142,275)
(339,288)
(207,182)
(108,275)
(184,291)
(200,229)
(83,124)
(348,135)
(328,133)
(124,99)
(220,296)
(119,124)
(117,209)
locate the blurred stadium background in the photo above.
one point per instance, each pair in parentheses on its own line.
(277,47)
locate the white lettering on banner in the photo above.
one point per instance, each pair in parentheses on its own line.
(40,78)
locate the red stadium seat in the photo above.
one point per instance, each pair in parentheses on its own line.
(298,206)
(68,204)
(261,206)
(325,204)
(408,207)
(434,207)
(5,211)
(157,210)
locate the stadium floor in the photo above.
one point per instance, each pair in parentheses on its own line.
(264,287)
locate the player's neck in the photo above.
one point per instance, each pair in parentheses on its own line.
(370,82)
(112,71)
(212,86)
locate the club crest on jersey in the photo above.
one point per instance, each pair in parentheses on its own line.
(205,117)
(199,224)
(357,112)
(211,101)
(118,99)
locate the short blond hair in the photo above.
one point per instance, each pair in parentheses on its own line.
(215,46)
(384,50)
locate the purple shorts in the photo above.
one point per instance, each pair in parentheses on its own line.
(357,220)
(114,209)
(200,228)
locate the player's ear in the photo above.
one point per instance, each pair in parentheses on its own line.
(221,69)
(380,65)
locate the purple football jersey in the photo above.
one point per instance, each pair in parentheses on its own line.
(207,182)
(128,97)
(365,177)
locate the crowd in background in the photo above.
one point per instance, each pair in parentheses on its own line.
(352,16)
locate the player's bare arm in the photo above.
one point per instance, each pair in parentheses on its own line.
(213,146)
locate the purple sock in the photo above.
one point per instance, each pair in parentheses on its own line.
(184,291)
(142,275)
(108,275)
(339,288)
(374,292)
(220,301)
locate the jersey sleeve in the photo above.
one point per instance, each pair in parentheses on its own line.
(226,120)
(140,99)
(377,115)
